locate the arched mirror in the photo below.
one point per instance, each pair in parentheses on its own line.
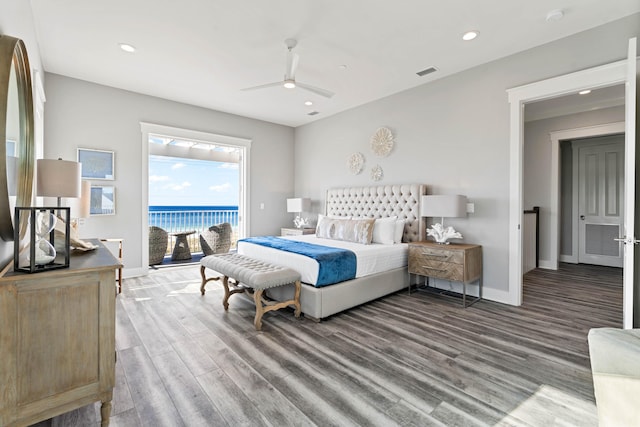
(16,130)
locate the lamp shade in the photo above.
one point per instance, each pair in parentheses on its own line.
(81,207)
(58,178)
(298,205)
(444,206)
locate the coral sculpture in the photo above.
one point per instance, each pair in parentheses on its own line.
(441,234)
(300,222)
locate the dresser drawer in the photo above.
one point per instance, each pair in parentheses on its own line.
(421,253)
(438,269)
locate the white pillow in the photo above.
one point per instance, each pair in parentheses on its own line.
(384,230)
(399,231)
(350,230)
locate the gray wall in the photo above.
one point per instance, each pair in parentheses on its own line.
(537,166)
(452,134)
(83,114)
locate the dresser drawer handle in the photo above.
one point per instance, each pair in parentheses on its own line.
(435,255)
(434,269)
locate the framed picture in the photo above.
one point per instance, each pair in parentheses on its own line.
(103,200)
(96,164)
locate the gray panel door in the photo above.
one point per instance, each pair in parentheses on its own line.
(600,201)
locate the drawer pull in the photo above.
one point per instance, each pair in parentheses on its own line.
(435,255)
(434,269)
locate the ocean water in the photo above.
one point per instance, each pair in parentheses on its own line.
(182,218)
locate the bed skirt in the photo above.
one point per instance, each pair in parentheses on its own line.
(319,303)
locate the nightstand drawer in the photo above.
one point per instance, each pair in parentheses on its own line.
(421,253)
(438,269)
(296,231)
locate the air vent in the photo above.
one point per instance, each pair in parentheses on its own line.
(427,71)
(313,113)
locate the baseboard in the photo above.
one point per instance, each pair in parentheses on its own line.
(134,272)
(569,259)
(497,295)
(489,294)
(547,265)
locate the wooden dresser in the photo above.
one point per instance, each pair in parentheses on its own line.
(57,339)
(456,262)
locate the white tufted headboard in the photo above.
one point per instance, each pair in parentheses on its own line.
(381,201)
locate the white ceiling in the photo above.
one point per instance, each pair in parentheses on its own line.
(203,52)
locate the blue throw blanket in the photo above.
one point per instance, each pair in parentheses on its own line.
(336,265)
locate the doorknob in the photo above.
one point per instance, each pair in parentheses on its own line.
(582,217)
(625,240)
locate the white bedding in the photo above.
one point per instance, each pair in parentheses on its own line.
(371,259)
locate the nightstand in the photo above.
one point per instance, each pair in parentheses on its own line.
(457,262)
(296,231)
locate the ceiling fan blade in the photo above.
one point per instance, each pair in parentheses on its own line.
(262,86)
(292,65)
(316,90)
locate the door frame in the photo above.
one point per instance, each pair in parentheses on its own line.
(554,206)
(243,203)
(592,78)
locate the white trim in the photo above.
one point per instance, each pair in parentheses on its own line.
(243,143)
(569,259)
(554,207)
(547,264)
(496,295)
(135,272)
(629,281)
(602,76)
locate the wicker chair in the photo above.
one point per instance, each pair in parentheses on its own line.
(216,240)
(158,239)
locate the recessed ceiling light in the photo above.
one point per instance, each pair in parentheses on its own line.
(308,103)
(584,92)
(470,35)
(127,47)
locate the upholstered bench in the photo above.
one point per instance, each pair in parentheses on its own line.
(254,277)
(615,365)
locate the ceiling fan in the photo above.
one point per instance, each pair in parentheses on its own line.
(290,74)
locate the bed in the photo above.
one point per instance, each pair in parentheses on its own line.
(402,201)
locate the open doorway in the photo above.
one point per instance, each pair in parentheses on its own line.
(557,141)
(192,180)
(188,195)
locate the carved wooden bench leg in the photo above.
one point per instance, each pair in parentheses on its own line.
(205,280)
(257,297)
(296,298)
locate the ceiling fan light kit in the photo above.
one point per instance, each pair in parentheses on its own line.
(289,81)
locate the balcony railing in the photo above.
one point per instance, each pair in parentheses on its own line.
(176,221)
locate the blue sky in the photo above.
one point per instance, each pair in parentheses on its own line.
(185,182)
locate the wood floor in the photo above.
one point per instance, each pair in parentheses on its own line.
(417,360)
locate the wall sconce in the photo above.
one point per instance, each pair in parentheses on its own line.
(443,206)
(299,205)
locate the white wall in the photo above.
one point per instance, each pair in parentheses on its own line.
(537,161)
(453,135)
(16,20)
(83,114)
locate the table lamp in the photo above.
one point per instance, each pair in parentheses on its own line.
(443,206)
(58,178)
(299,205)
(55,178)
